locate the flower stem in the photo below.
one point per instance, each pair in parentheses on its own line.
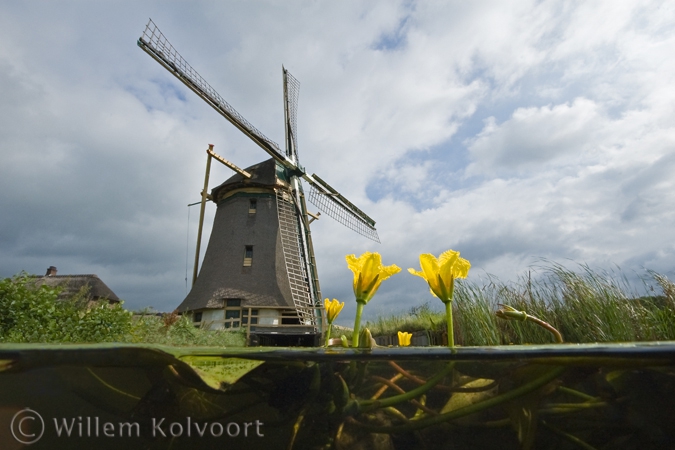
(357,323)
(330,326)
(548,327)
(448,318)
(509,313)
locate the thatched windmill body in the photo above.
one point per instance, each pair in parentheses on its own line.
(259,269)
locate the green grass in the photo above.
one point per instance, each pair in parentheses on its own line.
(585,306)
(170,329)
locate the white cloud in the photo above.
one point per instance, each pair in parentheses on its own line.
(507,131)
(534,136)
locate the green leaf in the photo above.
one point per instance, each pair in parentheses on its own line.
(216,371)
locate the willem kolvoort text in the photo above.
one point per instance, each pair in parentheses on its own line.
(93,427)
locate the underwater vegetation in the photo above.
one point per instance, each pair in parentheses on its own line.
(611,396)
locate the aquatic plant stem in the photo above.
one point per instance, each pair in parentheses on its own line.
(368,405)
(568,436)
(470,409)
(548,327)
(330,326)
(357,322)
(296,428)
(509,313)
(441,387)
(565,408)
(113,388)
(400,390)
(384,387)
(448,318)
(576,393)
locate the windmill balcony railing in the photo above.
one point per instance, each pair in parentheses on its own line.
(253,320)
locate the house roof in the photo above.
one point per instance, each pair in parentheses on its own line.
(71,285)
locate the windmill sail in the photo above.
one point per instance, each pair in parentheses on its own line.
(332,203)
(324,197)
(156,45)
(292,218)
(291,94)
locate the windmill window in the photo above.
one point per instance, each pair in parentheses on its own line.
(253,206)
(197,317)
(232,312)
(248,256)
(245,318)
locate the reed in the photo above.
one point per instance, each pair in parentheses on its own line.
(585,305)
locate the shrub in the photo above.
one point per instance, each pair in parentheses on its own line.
(29,313)
(34,314)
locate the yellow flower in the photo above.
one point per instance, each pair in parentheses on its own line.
(441,273)
(369,273)
(333,308)
(404,339)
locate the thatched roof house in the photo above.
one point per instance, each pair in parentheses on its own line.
(71,285)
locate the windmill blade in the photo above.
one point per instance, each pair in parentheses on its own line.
(156,45)
(331,202)
(291,94)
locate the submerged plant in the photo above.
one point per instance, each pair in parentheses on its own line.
(440,274)
(369,273)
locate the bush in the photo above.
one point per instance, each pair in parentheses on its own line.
(29,313)
(34,314)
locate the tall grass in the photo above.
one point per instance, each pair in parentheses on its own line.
(171,329)
(584,305)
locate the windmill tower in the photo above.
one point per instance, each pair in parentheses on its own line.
(259,270)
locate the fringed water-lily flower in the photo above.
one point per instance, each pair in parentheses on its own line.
(404,338)
(369,273)
(333,309)
(440,274)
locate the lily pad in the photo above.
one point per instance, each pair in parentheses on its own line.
(219,372)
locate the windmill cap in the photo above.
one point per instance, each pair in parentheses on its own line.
(263,174)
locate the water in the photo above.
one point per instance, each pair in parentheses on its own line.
(619,396)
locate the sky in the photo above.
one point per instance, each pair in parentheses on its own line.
(509,131)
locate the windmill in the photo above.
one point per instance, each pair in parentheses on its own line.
(259,269)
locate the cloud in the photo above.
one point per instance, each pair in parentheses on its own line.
(509,132)
(533,137)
